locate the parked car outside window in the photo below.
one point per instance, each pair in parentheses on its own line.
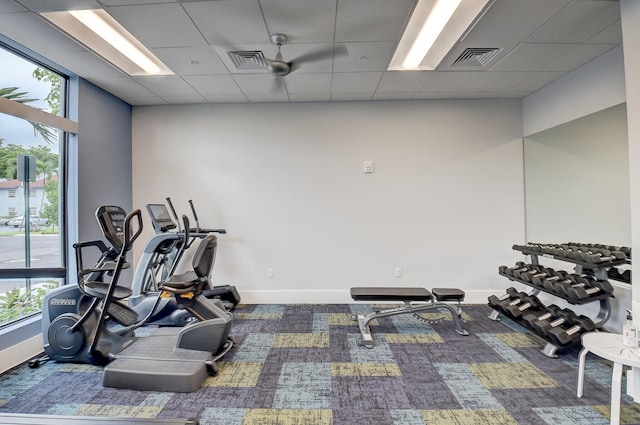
(35,221)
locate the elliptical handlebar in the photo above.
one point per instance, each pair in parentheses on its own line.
(187,232)
(129,238)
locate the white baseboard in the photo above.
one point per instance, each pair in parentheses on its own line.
(330,297)
(20,353)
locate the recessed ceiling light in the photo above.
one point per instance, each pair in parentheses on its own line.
(433,29)
(101,33)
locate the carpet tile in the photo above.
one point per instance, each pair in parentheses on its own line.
(511,375)
(469,417)
(365,369)
(301,364)
(466,387)
(501,347)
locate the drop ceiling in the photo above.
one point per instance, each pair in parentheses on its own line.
(536,42)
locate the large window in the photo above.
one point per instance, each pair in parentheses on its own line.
(32,148)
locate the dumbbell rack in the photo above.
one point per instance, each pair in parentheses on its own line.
(599,271)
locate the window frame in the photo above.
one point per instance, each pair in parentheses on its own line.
(66,127)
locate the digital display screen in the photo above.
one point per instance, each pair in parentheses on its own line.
(159,212)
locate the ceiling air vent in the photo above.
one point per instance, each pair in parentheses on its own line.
(248,59)
(476,56)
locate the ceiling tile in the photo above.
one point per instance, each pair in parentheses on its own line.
(55,5)
(536,81)
(610,35)
(129,2)
(402,81)
(310,97)
(496,81)
(214,85)
(255,98)
(450,81)
(191,60)
(480,95)
(308,83)
(392,96)
(41,37)
(371,20)
(532,56)
(159,25)
(10,6)
(509,20)
(512,94)
(302,20)
(578,56)
(578,22)
(183,100)
(86,64)
(145,101)
(226,98)
(166,85)
(259,84)
(229,22)
(436,95)
(122,87)
(364,56)
(345,97)
(355,82)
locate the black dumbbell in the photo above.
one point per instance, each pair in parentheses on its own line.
(494,300)
(527,303)
(547,282)
(542,327)
(598,256)
(511,301)
(530,276)
(590,288)
(574,281)
(564,336)
(544,314)
(531,269)
(509,270)
(560,287)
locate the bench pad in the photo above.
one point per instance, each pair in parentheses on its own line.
(448,294)
(376,293)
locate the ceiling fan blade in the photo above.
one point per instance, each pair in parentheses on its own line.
(278,86)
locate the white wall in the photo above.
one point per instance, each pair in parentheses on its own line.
(631,36)
(595,86)
(445,202)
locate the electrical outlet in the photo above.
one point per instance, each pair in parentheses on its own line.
(398,271)
(270,272)
(368,167)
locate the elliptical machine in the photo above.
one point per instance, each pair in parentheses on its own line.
(159,260)
(169,359)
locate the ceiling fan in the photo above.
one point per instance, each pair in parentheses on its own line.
(280,68)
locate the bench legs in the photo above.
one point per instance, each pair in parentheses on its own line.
(363,321)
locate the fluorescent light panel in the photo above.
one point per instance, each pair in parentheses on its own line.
(433,29)
(98,31)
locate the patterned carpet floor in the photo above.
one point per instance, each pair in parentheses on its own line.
(300,364)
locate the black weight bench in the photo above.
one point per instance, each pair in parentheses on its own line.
(434,300)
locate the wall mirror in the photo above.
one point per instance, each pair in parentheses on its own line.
(577,181)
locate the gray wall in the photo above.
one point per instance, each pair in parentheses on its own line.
(104,155)
(102,152)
